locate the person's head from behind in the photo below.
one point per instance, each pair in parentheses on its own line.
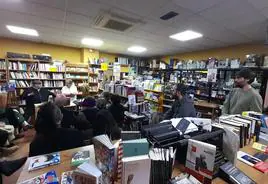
(115,99)
(243,78)
(101,103)
(180,91)
(88,102)
(106,95)
(37,84)
(69,83)
(48,119)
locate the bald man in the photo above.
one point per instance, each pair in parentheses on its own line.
(70,90)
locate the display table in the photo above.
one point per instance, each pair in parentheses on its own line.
(65,164)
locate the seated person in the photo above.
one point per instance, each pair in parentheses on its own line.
(50,137)
(183,105)
(89,109)
(4,138)
(34,95)
(117,110)
(105,123)
(70,90)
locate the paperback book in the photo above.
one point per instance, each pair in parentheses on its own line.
(46,178)
(80,157)
(67,177)
(87,173)
(200,158)
(260,147)
(105,157)
(44,161)
(136,170)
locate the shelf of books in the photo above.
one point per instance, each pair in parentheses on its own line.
(3,71)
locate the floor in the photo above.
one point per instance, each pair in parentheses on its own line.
(23,151)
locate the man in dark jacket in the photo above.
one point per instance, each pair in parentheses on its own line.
(34,95)
(183,105)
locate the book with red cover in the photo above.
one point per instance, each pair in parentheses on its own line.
(262,166)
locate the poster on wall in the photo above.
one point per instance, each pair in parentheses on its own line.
(116,71)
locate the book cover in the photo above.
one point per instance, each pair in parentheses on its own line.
(135,147)
(44,161)
(80,157)
(246,158)
(87,173)
(67,177)
(46,178)
(105,157)
(200,157)
(136,170)
(231,174)
(262,156)
(260,147)
(262,166)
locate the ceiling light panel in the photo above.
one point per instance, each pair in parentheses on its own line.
(22,30)
(186,35)
(92,42)
(136,49)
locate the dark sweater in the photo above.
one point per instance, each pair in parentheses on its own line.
(181,108)
(57,140)
(117,110)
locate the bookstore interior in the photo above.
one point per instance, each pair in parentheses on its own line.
(133,92)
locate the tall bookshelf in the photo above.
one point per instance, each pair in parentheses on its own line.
(3,71)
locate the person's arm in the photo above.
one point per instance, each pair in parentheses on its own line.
(74,90)
(226,104)
(256,104)
(168,115)
(27,93)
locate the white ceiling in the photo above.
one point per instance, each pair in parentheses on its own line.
(66,22)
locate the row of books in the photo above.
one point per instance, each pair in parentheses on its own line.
(2,64)
(93,79)
(23,66)
(49,67)
(247,128)
(23,75)
(123,61)
(22,84)
(153,85)
(51,76)
(152,96)
(71,76)
(76,69)
(53,83)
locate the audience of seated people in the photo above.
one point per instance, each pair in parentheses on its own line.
(50,137)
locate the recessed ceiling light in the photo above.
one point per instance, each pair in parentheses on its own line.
(186,35)
(92,42)
(136,49)
(22,30)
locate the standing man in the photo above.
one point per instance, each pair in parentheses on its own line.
(243,97)
(70,90)
(183,105)
(34,95)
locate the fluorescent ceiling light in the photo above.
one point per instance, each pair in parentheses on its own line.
(136,49)
(92,42)
(22,30)
(186,35)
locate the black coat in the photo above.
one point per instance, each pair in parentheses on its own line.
(57,140)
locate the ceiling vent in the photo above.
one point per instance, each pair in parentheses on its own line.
(115,22)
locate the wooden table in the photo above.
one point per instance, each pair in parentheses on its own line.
(66,156)
(65,164)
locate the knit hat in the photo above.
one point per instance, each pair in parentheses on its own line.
(88,102)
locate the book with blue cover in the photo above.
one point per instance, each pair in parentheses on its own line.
(44,161)
(135,147)
(46,178)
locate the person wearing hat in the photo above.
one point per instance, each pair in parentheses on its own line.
(34,95)
(183,105)
(243,97)
(70,90)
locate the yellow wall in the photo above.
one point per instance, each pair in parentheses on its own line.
(108,57)
(237,51)
(89,55)
(72,55)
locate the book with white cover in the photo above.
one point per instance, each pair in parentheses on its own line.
(136,170)
(201,157)
(87,173)
(248,159)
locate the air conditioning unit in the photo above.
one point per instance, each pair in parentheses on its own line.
(116,22)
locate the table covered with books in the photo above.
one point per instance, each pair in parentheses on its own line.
(63,166)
